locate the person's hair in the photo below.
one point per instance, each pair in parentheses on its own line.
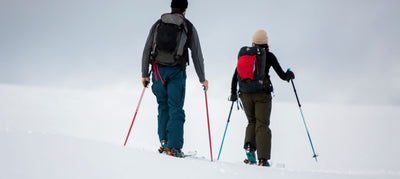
(263,46)
(177,10)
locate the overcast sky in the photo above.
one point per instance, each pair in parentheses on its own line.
(342,51)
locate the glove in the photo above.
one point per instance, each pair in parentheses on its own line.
(233,97)
(145,81)
(289,75)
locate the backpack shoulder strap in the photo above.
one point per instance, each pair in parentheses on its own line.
(189,27)
(154,46)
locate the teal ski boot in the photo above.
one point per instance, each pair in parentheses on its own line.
(250,153)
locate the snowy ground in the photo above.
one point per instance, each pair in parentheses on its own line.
(64,133)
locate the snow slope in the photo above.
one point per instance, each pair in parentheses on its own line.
(31,155)
(64,133)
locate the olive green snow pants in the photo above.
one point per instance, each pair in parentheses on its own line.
(257,107)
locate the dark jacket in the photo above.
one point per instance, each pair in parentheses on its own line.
(271,61)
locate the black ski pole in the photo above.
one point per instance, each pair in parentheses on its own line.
(305,125)
(226,127)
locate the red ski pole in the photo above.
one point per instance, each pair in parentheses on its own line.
(133,120)
(208,122)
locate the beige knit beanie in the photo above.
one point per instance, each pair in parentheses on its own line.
(260,37)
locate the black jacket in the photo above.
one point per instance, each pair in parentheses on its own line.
(272,61)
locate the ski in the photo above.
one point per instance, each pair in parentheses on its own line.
(272,164)
(246,161)
(190,154)
(277,164)
(162,150)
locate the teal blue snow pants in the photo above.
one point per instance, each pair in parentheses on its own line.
(169,85)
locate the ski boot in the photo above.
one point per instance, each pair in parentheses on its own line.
(164,148)
(176,153)
(250,153)
(263,162)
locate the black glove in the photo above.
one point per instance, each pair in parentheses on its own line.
(289,75)
(233,97)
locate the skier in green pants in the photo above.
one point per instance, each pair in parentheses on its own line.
(255,93)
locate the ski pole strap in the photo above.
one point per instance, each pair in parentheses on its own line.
(148,82)
(239,104)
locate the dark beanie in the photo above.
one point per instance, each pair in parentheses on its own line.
(182,4)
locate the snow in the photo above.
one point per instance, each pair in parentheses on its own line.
(70,133)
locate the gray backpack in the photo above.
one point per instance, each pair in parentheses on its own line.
(169,41)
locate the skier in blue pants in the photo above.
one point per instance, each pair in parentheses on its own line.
(170,99)
(166,49)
